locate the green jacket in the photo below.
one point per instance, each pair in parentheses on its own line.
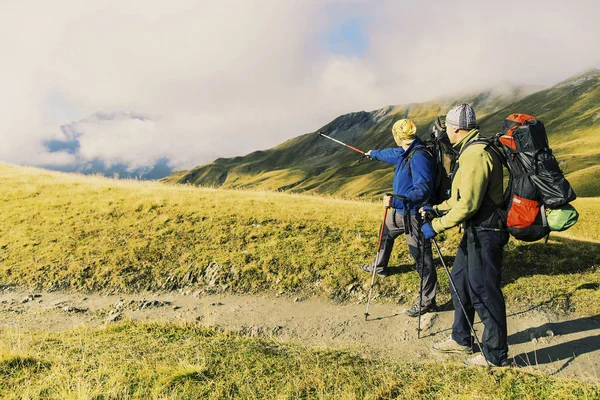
(478,173)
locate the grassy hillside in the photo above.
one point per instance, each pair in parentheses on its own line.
(571,113)
(60,231)
(312,164)
(158,361)
(308,163)
(566,108)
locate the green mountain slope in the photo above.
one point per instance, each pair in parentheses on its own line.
(69,232)
(308,163)
(568,107)
(571,113)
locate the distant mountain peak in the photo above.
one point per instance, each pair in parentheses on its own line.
(358,117)
(380,114)
(589,74)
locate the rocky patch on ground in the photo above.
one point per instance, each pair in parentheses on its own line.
(260,331)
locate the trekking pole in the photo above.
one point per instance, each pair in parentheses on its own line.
(458,298)
(405,201)
(343,144)
(421,287)
(376,262)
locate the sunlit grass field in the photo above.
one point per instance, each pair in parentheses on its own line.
(62,231)
(158,361)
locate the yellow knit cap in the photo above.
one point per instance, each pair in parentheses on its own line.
(404,129)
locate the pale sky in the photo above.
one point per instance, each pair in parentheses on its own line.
(228,77)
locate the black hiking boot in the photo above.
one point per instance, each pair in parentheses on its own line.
(382,272)
(415,310)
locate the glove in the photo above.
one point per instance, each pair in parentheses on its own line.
(366,156)
(428,212)
(428,231)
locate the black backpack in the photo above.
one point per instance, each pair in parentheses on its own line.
(444,156)
(536,181)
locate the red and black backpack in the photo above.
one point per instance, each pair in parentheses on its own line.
(536,181)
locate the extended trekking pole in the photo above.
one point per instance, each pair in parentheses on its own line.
(458,298)
(405,200)
(343,144)
(421,286)
(376,262)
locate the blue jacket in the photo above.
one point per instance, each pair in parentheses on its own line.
(417,185)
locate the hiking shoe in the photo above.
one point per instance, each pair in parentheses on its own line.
(415,310)
(451,346)
(383,272)
(480,361)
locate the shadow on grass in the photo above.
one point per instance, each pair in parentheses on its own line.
(567,256)
(400,269)
(559,256)
(193,377)
(14,365)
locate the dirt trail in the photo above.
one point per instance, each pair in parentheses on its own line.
(560,346)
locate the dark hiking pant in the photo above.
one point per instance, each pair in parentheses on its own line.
(476,273)
(394,227)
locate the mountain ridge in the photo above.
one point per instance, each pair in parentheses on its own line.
(307,163)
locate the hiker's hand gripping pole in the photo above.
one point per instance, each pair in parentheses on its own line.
(344,144)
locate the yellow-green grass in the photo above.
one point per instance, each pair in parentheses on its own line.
(585,181)
(159,361)
(587,227)
(270,180)
(577,142)
(61,231)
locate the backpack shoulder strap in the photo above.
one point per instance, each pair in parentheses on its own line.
(487,142)
(412,153)
(419,147)
(490,147)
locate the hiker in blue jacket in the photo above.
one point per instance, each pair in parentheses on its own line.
(414,178)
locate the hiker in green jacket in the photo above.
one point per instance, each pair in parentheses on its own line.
(476,198)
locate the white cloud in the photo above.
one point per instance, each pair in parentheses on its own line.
(224,78)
